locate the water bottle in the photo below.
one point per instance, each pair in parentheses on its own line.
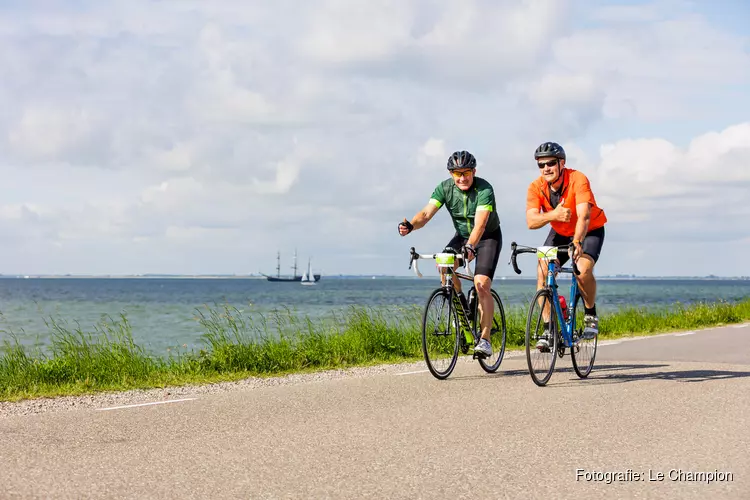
(564,307)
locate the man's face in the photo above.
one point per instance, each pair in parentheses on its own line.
(463,178)
(550,168)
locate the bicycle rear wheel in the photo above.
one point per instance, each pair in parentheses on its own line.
(498,332)
(541,360)
(439,334)
(584,350)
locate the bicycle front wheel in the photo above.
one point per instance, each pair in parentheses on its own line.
(584,350)
(498,333)
(440,334)
(541,337)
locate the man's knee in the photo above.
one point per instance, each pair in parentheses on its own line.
(586,266)
(482,284)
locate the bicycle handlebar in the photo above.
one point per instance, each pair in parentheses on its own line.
(414,258)
(515,250)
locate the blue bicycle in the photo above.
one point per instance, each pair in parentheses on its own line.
(546,335)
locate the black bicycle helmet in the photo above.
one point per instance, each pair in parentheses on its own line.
(461,159)
(549,149)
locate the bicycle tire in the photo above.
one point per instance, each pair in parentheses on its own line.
(451,320)
(542,380)
(497,329)
(582,370)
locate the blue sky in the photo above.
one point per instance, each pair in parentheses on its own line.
(196,137)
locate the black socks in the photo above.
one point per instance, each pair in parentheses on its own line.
(590,312)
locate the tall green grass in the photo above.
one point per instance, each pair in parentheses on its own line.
(238,345)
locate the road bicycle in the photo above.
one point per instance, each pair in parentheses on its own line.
(449,325)
(558,335)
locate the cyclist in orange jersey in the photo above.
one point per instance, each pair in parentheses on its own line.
(562,197)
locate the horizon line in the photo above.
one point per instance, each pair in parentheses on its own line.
(369,275)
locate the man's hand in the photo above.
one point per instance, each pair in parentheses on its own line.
(470,252)
(405,227)
(560,213)
(577,251)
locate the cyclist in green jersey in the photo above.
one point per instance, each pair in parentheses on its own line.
(470,201)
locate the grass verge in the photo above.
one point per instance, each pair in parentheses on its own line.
(238,346)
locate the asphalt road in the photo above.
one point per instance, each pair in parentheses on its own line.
(652,406)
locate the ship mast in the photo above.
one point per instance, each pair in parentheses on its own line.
(278,264)
(295,263)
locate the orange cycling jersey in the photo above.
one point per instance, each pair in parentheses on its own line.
(575,190)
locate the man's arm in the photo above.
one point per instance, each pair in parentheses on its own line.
(536,219)
(584,197)
(485,206)
(582,224)
(582,227)
(480,222)
(423,216)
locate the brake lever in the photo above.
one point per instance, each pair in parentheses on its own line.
(513,256)
(572,260)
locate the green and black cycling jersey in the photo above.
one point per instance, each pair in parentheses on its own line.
(463,205)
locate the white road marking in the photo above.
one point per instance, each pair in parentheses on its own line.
(146,404)
(683,334)
(412,373)
(611,342)
(744,325)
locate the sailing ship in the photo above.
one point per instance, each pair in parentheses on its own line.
(293,278)
(308,278)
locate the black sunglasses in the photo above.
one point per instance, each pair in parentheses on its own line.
(546,163)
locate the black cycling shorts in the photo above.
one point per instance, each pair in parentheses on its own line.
(592,244)
(488,251)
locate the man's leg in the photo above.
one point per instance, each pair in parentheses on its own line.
(483,284)
(541,279)
(587,286)
(456,279)
(587,281)
(592,247)
(488,254)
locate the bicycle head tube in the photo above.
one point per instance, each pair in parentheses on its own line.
(551,270)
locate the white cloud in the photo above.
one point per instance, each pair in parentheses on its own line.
(343,32)
(442,43)
(177,158)
(555,92)
(667,192)
(48,133)
(653,69)
(244,129)
(431,152)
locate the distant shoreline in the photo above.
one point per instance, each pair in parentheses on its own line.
(342,276)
